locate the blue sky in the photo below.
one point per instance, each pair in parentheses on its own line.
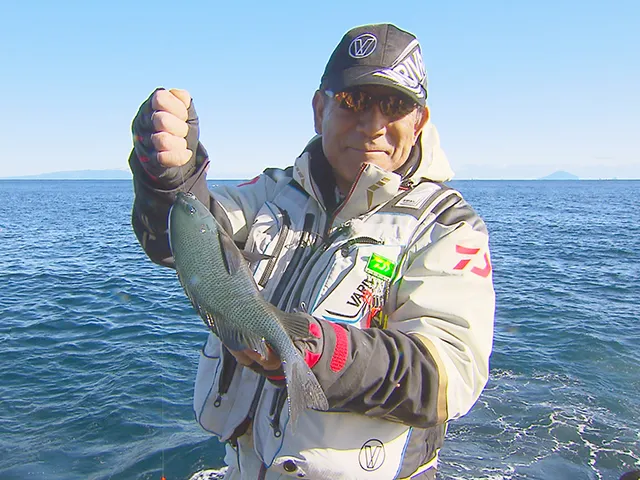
(517,89)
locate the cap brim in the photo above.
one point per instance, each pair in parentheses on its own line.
(365,75)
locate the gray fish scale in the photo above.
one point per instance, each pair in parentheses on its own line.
(217,280)
(232,300)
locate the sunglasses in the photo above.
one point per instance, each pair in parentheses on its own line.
(355,101)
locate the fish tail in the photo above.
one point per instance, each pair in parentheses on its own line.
(303,389)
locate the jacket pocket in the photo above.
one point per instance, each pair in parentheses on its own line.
(223,390)
(269,235)
(340,445)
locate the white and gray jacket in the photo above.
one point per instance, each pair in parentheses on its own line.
(397,277)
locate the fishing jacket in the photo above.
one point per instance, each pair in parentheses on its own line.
(397,277)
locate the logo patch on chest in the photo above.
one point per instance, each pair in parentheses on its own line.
(414,200)
(380,267)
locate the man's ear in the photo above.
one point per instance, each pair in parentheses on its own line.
(421,121)
(318,110)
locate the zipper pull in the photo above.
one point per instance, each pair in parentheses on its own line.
(336,232)
(276,428)
(274,412)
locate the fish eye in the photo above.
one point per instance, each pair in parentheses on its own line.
(192,209)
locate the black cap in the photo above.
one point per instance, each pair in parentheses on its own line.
(380,54)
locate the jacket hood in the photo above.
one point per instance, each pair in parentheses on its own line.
(434,164)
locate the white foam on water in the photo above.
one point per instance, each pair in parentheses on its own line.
(529,425)
(214,474)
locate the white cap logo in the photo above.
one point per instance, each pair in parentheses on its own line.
(363,45)
(408,70)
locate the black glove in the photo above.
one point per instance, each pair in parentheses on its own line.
(142,128)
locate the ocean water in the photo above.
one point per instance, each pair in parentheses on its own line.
(98,346)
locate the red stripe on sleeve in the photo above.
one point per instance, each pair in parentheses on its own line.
(339,357)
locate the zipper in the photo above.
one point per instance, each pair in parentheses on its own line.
(277,404)
(256,397)
(305,240)
(229,364)
(286,224)
(274,403)
(252,411)
(344,249)
(241,429)
(344,201)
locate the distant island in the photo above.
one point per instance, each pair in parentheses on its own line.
(560,175)
(123,174)
(78,175)
(104,175)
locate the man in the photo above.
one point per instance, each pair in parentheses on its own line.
(392,267)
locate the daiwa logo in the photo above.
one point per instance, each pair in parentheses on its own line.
(408,70)
(372,455)
(363,45)
(483,271)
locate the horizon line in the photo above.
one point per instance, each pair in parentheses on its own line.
(48,179)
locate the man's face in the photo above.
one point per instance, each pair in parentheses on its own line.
(350,139)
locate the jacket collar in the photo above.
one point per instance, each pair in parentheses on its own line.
(373,186)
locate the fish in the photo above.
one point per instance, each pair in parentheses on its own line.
(216,278)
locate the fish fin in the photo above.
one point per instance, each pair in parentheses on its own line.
(258,345)
(232,261)
(235,340)
(295,324)
(303,389)
(207,318)
(254,257)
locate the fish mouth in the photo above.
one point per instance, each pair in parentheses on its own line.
(185,196)
(188,203)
